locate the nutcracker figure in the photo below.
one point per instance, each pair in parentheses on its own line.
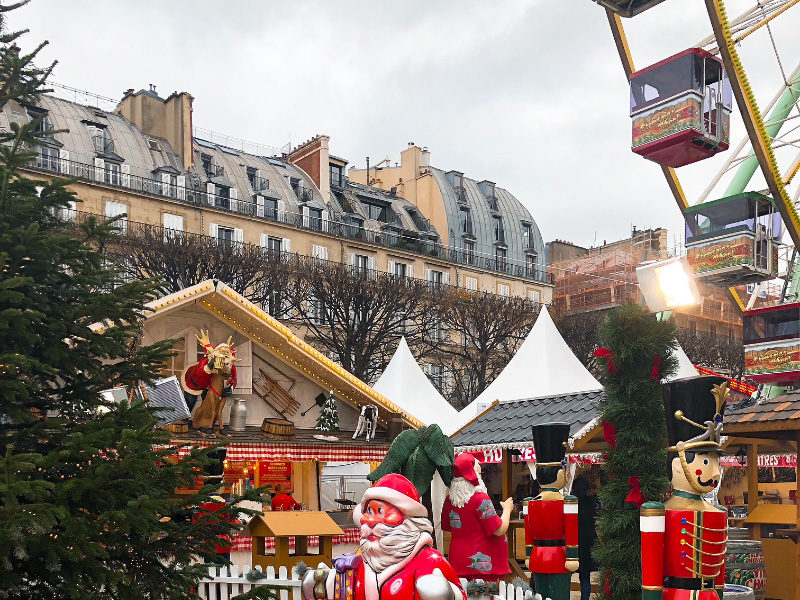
(551,520)
(684,540)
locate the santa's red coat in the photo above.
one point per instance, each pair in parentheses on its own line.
(398,582)
(197,379)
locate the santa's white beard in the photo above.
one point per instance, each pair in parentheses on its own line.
(462,490)
(393,543)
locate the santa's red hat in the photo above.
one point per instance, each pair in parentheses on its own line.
(397,491)
(464,466)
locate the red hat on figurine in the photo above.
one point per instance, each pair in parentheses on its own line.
(397,491)
(464,466)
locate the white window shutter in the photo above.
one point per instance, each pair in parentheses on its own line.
(371,263)
(390,267)
(234,193)
(446,278)
(114,209)
(325,221)
(99,169)
(211,190)
(262,239)
(181,183)
(234,197)
(351,259)
(304,211)
(126,175)
(281,210)
(428,274)
(260,206)
(286,245)
(213,230)
(63,161)
(410,271)
(238,236)
(503,290)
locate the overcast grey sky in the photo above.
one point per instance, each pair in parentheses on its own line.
(527,93)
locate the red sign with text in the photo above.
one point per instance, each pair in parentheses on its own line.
(273,472)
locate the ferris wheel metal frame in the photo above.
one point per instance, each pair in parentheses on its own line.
(727,33)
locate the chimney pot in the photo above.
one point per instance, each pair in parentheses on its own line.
(152,87)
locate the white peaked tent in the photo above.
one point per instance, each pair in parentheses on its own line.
(404,383)
(685,366)
(542,366)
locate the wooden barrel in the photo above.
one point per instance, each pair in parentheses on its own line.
(744,562)
(737,592)
(178,428)
(279,429)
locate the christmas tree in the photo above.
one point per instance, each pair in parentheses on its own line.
(328,419)
(88,506)
(636,357)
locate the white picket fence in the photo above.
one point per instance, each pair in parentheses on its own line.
(223,583)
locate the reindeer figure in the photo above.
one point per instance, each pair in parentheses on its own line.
(210,378)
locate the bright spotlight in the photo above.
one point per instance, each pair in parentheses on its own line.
(667,284)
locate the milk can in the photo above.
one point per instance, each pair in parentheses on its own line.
(238,418)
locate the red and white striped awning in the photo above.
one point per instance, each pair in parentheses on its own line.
(294,452)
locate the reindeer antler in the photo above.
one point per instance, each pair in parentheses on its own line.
(203,338)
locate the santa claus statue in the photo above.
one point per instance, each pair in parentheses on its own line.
(478,546)
(397,560)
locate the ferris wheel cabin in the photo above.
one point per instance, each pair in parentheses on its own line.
(628,8)
(734,240)
(772,344)
(681,108)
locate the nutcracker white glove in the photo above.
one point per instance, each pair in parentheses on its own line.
(435,587)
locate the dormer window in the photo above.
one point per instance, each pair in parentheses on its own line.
(101,139)
(466,222)
(527,236)
(499,231)
(45,127)
(376,212)
(337,175)
(257,183)
(205,160)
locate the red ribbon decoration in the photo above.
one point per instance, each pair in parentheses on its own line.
(611,365)
(610,434)
(655,373)
(635,495)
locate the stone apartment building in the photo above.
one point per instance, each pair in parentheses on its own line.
(598,278)
(144,159)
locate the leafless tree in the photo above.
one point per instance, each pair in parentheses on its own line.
(580,332)
(359,315)
(485,331)
(180,260)
(717,353)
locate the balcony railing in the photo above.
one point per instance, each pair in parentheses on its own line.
(303,195)
(103,145)
(390,239)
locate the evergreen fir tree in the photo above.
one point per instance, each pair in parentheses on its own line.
(328,419)
(637,355)
(88,506)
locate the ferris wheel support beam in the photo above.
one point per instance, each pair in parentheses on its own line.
(753,122)
(621,41)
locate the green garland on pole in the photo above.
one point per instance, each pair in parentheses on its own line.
(636,356)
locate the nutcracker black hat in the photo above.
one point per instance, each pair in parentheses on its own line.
(694,409)
(549,443)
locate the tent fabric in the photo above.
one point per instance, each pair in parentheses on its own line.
(685,366)
(405,384)
(543,365)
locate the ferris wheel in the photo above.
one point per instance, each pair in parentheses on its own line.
(744,229)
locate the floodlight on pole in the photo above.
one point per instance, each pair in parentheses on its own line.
(667,284)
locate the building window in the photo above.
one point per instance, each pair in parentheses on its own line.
(315,219)
(534,296)
(503,290)
(271,208)
(500,255)
(274,244)
(274,304)
(173,226)
(252,175)
(316,311)
(336,174)
(466,222)
(527,236)
(113,173)
(499,232)
(101,140)
(469,251)
(225,236)
(400,269)
(48,158)
(471,283)
(435,277)
(223,197)
(458,180)
(205,160)
(115,209)
(530,264)
(361,262)
(376,212)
